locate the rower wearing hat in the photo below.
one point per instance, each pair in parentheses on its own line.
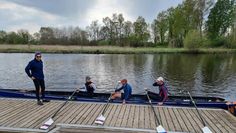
(163,91)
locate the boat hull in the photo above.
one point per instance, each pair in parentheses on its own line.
(182,101)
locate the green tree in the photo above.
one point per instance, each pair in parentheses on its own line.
(141,31)
(192,40)
(3,36)
(202,8)
(220,18)
(23,36)
(160,27)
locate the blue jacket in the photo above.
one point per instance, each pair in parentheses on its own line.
(127,91)
(35,69)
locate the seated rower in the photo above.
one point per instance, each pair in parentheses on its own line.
(163,91)
(127,91)
(89,86)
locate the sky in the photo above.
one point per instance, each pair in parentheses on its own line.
(33,14)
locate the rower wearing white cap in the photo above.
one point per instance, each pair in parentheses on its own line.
(163,91)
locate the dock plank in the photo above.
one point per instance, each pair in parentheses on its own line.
(131,117)
(116,115)
(163,119)
(170,123)
(141,122)
(136,117)
(110,113)
(180,120)
(211,126)
(80,113)
(227,118)
(30,119)
(213,120)
(147,118)
(125,117)
(174,119)
(121,116)
(185,120)
(191,120)
(26,115)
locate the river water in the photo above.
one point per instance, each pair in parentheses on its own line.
(202,74)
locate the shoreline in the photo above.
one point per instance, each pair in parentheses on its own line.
(72,49)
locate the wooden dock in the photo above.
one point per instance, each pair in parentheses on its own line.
(24,115)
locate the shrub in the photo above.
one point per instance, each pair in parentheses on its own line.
(192,40)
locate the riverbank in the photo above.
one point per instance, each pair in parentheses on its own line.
(104,49)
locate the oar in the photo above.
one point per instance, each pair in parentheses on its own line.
(205,129)
(159,128)
(101,119)
(50,121)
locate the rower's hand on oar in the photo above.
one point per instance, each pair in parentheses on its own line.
(33,78)
(160,103)
(78,89)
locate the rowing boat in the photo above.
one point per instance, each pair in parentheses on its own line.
(201,101)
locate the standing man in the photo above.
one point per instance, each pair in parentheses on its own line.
(35,71)
(163,91)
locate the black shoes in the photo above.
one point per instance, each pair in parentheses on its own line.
(40,103)
(45,100)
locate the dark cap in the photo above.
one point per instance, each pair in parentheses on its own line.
(87,78)
(37,53)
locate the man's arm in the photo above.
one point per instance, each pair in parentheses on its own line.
(119,89)
(155,84)
(27,69)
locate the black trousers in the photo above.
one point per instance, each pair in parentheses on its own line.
(39,83)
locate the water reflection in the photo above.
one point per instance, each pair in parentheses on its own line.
(208,75)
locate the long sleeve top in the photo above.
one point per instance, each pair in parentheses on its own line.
(35,69)
(163,91)
(127,90)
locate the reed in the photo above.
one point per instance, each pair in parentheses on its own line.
(106,49)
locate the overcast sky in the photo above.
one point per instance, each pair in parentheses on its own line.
(33,14)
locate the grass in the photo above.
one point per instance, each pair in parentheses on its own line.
(7,48)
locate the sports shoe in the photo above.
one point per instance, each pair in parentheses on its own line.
(39,103)
(45,100)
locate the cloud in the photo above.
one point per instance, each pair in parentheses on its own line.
(104,8)
(23,17)
(33,14)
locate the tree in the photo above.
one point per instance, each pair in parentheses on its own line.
(93,30)
(220,18)
(141,31)
(160,27)
(3,36)
(23,36)
(177,26)
(47,35)
(202,8)
(127,28)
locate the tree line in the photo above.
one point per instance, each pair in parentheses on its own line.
(192,24)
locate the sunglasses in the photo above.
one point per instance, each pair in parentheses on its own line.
(38,56)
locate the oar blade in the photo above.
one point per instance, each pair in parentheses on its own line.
(160,129)
(47,124)
(100,120)
(206,130)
